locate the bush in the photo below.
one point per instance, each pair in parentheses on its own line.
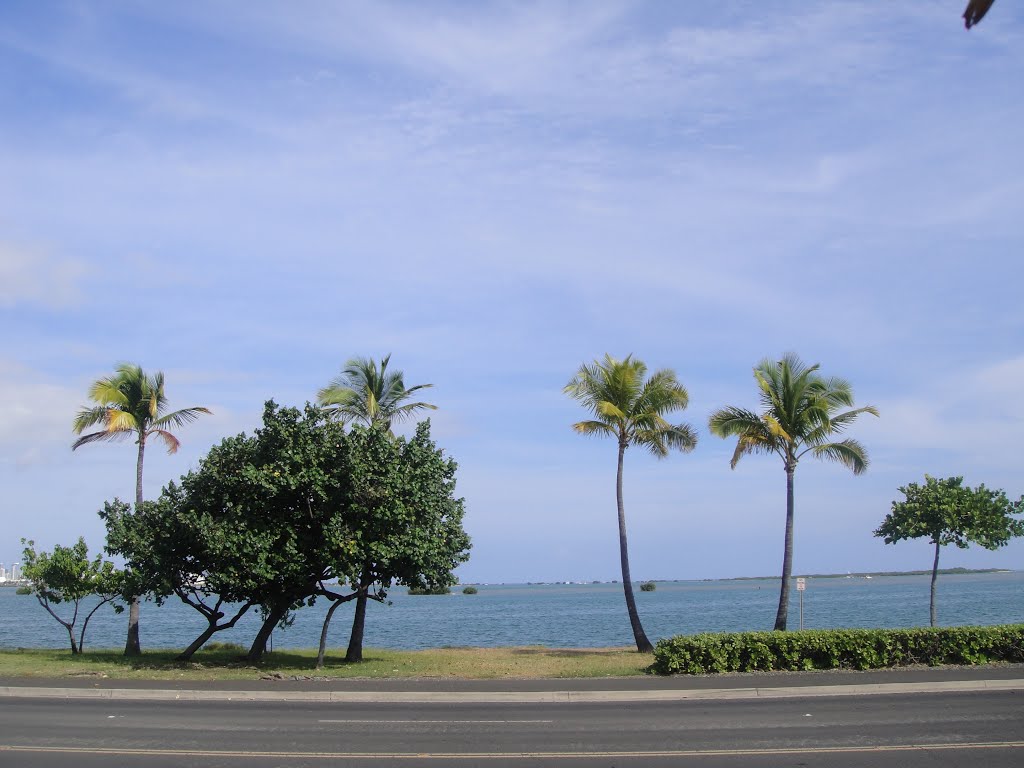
(23,591)
(837,649)
(647,586)
(469,590)
(429,591)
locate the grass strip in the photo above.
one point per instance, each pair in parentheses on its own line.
(226,663)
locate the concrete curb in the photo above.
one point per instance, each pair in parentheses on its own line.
(511,697)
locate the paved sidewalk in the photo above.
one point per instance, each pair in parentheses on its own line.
(647,688)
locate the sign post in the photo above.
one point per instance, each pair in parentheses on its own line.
(801,586)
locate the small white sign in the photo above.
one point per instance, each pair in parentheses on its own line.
(801,585)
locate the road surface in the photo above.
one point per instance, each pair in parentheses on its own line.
(906,730)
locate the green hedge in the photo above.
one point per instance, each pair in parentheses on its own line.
(837,649)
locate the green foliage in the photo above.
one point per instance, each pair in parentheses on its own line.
(837,649)
(430,590)
(270,520)
(131,403)
(68,576)
(631,408)
(648,586)
(800,415)
(469,590)
(403,508)
(369,395)
(261,521)
(23,591)
(945,512)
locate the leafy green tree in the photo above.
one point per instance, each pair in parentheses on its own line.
(946,512)
(132,404)
(367,394)
(800,416)
(269,513)
(67,575)
(374,397)
(631,409)
(405,517)
(172,551)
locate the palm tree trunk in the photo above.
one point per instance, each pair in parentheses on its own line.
(782,616)
(643,645)
(132,646)
(932,613)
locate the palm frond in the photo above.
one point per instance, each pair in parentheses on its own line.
(849,453)
(594,428)
(840,421)
(181,417)
(95,437)
(107,392)
(89,417)
(170,440)
(681,437)
(369,394)
(732,421)
(121,421)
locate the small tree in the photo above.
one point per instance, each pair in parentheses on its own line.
(946,512)
(406,518)
(168,550)
(67,575)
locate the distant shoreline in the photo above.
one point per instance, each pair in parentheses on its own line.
(849,575)
(872,574)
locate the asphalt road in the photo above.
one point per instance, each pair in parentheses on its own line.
(919,729)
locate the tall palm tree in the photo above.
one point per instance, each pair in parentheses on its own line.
(799,417)
(132,404)
(374,397)
(369,395)
(632,410)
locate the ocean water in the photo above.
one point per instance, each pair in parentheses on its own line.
(559,615)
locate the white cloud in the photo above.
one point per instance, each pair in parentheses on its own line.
(32,276)
(37,415)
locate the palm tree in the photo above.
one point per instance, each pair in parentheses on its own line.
(374,397)
(799,417)
(632,410)
(369,395)
(132,404)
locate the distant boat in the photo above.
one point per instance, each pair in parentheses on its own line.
(866,576)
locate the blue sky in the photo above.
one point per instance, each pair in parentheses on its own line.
(244,195)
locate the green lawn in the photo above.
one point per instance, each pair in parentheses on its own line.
(227,664)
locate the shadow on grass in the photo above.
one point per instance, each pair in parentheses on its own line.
(166,660)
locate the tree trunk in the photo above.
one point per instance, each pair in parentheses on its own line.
(71,636)
(355,640)
(932,613)
(85,624)
(198,643)
(212,628)
(132,645)
(782,616)
(259,645)
(643,645)
(323,634)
